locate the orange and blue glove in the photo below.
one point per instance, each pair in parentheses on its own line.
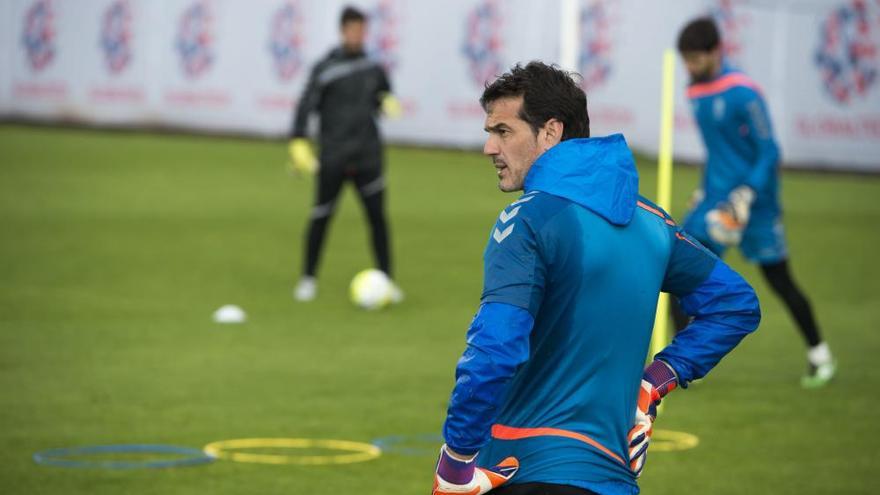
(657,381)
(455,476)
(726,222)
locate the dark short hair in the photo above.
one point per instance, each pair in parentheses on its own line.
(351,14)
(700,35)
(548,92)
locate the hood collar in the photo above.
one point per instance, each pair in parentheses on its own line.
(597,173)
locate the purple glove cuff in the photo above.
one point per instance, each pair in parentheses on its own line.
(454,471)
(661,376)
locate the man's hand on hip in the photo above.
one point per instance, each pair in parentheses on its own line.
(458,475)
(657,381)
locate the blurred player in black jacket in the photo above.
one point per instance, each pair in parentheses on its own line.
(347,90)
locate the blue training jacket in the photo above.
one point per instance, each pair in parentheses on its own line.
(736,129)
(555,354)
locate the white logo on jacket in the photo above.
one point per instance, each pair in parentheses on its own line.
(503,231)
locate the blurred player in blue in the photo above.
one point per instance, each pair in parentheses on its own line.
(552,395)
(738,203)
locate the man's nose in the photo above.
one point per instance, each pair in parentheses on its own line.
(490,148)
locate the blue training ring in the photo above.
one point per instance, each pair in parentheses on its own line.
(393,444)
(67,457)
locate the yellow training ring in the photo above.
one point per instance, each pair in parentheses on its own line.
(360,452)
(668,441)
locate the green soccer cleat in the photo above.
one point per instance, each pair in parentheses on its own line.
(819,376)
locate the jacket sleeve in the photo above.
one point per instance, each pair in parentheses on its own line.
(760,134)
(498,338)
(308,103)
(723,307)
(497,343)
(384,84)
(514,271)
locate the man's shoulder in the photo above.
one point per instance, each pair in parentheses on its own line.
(336,65)
(536,207)
(731,84)
(534,210)
(322,64)
(654,209)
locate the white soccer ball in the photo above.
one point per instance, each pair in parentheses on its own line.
(370,289)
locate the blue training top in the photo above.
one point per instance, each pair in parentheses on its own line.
(555,354)
(735,125)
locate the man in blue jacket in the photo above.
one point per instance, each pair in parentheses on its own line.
(738,203)
(551,394)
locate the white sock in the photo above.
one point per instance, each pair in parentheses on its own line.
(819,354)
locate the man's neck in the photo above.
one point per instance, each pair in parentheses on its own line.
(718,68)
(352,51)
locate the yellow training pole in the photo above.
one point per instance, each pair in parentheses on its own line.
(660,337)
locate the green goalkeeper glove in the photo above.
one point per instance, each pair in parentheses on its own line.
(391,106)
(302,158)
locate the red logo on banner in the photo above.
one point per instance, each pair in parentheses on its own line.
(847,56)
(484,42)
(38,37)
(286,40)
(195,39)
(731,24)
(595,44)
(382,35)
(116,36)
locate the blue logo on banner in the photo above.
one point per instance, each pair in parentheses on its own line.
(286,40)
(38,37)
(195,40)
(382,38)
(116,36)
(484,42)
(595,45)
(847,56)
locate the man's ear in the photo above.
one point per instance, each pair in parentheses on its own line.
(551,134)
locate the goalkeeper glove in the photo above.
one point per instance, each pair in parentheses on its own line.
(741,200)
(302,158)
(696,198)
(727,222)
(391,106)
(657,381)
(459,477)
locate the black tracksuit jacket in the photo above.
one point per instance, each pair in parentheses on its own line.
(345,89)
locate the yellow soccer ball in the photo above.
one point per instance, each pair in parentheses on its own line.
(370,289)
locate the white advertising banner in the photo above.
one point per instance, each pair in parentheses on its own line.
(287,37)
(44,63)
(204,75)
(7,40)
(116,62)
(442,70)
(234,66)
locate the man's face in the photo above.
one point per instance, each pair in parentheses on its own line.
(353,35)
(511,144)
(702,66)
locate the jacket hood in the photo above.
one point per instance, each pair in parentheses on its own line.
(596,173)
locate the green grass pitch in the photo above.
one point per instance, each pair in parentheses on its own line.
(117,247)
